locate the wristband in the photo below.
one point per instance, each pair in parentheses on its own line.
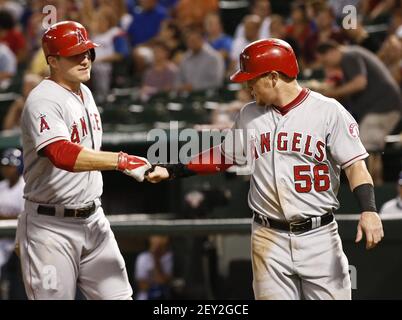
(364,194)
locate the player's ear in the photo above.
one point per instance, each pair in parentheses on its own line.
(52,61)
(273,77)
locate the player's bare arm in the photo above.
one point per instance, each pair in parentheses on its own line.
(361,184)
(356,85)
(75,158)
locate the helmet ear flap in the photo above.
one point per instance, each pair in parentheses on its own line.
(93,54)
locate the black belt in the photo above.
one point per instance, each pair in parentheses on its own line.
(72,213)
(297,226)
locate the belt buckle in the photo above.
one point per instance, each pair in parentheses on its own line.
(83,212)
(301,224)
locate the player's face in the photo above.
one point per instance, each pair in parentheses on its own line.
(261,89)
(76,68)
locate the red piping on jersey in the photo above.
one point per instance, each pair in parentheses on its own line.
(294,103)
(63,154)
(353,159)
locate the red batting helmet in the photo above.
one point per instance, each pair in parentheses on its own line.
(266,55)
(67,38)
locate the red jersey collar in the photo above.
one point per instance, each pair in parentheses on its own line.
(294,103)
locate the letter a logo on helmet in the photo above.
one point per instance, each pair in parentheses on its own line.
(80,37)
(264,56)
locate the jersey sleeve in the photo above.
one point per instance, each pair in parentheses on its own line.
(43,120)
(234,147)
(343,139)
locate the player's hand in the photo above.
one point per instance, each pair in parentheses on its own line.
(133,166)
(157,174)
(371,226)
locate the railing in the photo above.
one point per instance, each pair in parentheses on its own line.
(144,224)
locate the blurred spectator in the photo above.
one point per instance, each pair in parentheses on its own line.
(252,24)
(120,8)
(223,117)
(201,67)
(11,205)
(143,58)
(261,8)
(125,18)
(390,54)
(147,18)
(10,35)
(278,30)
(113,47)
(162,75)
(13,116)
(377,108)
(14,7)
(34,28)
(360,36)
(8,66)
(218,40)
(171,36)
(154,270)
(38,64)
(326,30)
(169,5)
(66,10)
(396,20)
(299,27)
(338,5)
(394,205)
(192,13)
(11,188)
(376,11)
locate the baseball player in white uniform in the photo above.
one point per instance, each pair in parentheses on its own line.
(301,140)
(64,239)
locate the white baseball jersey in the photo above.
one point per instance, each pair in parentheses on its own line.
(53,113)
(299,152)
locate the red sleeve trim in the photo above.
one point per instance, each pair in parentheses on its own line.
(48,141)
(63,154)
(359,157)
(210,161)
